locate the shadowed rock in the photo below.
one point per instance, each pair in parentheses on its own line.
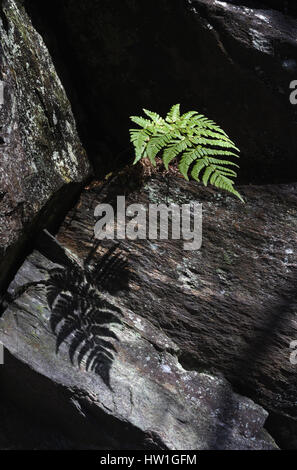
(144,400)
(42,162)
(230,307)
(123,386)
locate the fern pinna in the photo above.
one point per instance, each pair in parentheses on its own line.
(200,144)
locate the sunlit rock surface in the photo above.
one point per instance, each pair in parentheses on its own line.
(231,306)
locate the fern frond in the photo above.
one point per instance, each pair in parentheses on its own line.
(173,151)
(202,122)
(154,117)
(216,143)
(213,152)
(155,145)
(186,161)
(187,116)
(223,182)
(211,133)
(199,143)
(218,177)
(207,174)
(174,114)
(142,122)
(224,168)
(139,139)
(198,167)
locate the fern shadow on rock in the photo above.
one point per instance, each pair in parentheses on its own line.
(109,273)
(81,317)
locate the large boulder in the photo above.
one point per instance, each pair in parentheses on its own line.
(42,163)
(231,306)
(105,376)
(233,61)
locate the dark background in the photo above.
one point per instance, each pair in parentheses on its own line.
(117,57)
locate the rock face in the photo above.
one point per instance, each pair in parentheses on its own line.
(42,162)
(231,306)
(109,378)
(233,61)
(284,6)
(141,344)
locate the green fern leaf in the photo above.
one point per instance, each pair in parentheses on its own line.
(139,140)
(198,167)
(185,118)
(174,114)
(155,145)
(198,142)
(207,173)
(216,143)
(173,151)
(225,183)
(212,133)
(142,122)
(226,171)
(186,161)
(154,117)
(213,152)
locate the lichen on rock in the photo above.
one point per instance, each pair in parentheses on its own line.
(40,149)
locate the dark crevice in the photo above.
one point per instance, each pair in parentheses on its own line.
(50,217)
(113,63)
(3,17)
(54,408)
(283,430)
(22,431)
(5,301)
(49,20)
